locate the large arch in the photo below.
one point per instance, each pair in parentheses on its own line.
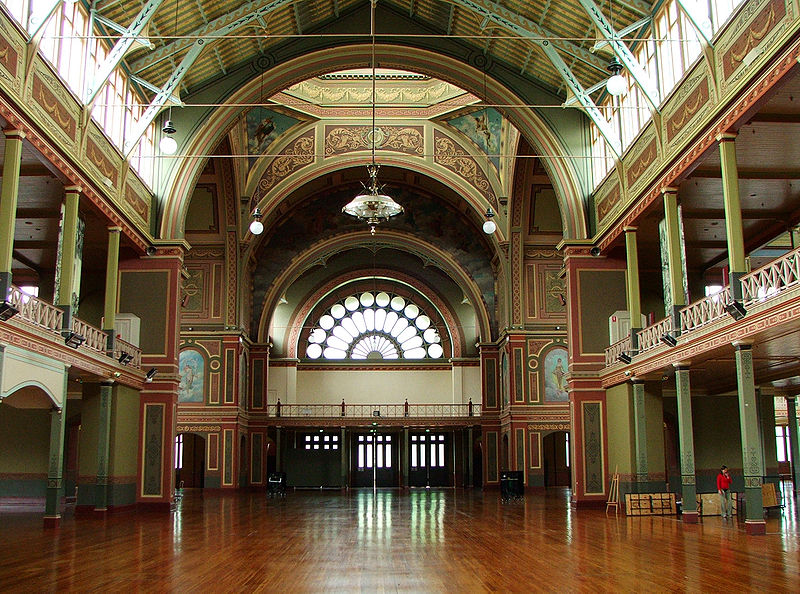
(321,251)
(212,126)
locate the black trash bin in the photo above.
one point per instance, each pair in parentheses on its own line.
(276,484)
(512,485)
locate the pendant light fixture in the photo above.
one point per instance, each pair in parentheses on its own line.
(371,205)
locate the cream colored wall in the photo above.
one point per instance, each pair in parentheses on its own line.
(374,387)
(23,368)
(282,385)
(470,385)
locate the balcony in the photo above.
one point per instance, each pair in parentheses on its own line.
(762,289)
(48,321)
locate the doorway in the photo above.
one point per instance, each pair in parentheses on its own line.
(555,447)
(374,459)
(190,460)
(429,455)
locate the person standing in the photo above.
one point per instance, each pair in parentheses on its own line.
(724,481)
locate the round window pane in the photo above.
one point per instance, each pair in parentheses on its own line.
(313,351)
(338,311)
(326,322)
(430,335)
(423,322)
(382,299)
(318,335)
(398,303)
(435,351)
(351,303)
(411,311)
(367,299)
(415,354)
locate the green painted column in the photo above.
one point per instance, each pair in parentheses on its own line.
(686,441)
(69,235)
(55,480)
(9,192)
(103,441)
(633,294)
(733,211)
(640,433)
(112,273)
(673,234)
(752,457)
(791,410)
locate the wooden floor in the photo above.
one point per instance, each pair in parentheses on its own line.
(422,541)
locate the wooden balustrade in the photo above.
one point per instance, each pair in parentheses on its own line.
(706,310)
(35,311)
(650,337)
(94,338)
(369,410)
(615,350)
(771,279)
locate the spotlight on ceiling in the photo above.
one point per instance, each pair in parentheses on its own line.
(736,310)
(616,85)
(256,226)
(489,226)
(125,358)
(73,339)
(624,358)
(168,145)
(669,340)
(151,373)
(7,311)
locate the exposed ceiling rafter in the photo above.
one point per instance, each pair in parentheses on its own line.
(629,61)
(130,38)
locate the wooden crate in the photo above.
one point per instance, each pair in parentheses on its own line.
(650,504)
(708,504)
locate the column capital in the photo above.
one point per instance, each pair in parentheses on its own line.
(630,229)
(73,189)
(681,365)
(727,136)
(15,133)
(669,190)
(115,229)
(742,345)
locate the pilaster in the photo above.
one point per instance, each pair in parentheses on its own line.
(686,441)
(55,481)
(103,446)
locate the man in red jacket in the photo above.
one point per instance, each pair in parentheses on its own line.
(724,481)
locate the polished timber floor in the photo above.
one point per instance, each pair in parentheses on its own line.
(418,541)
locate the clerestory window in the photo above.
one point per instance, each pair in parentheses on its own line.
(374,326)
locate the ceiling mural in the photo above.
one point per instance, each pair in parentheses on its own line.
(484,128)
(263,127)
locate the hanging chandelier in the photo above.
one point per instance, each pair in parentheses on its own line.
(371,205)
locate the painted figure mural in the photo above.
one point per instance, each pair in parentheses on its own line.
(192,370)
(555,379)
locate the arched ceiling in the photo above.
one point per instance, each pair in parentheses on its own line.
(436,240)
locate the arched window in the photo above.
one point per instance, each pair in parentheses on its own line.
(374,326)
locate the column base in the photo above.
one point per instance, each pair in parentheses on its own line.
(755,527)
(52,521)
(690,517)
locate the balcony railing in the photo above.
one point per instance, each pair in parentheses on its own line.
(650,337)
(326,411)
(771,279)
(37,312)
(616,349)
(758,286)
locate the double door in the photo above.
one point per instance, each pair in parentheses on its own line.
(430,456)
(375,459)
